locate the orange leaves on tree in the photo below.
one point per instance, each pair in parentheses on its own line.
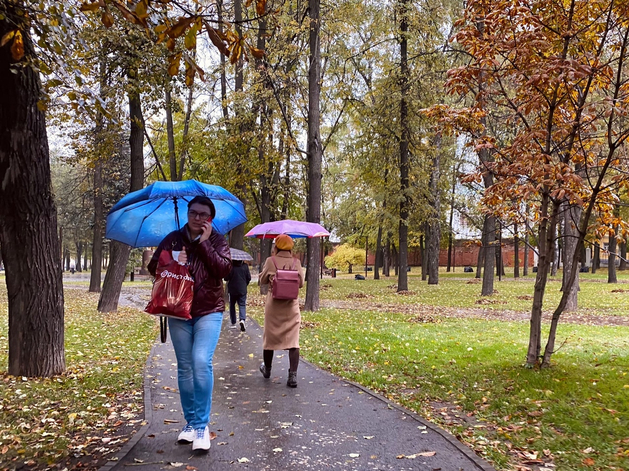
(261,7)
(218,39)
(173,64)
(180,27)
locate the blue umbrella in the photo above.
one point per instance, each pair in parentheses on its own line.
(144,217)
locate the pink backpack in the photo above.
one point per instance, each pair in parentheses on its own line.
(285,283)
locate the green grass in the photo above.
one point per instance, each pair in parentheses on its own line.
(463,291)
(64,419)
(468,375)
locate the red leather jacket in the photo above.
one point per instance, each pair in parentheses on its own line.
(209,262)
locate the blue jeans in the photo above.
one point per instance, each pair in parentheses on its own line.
(194,341)
(241,299)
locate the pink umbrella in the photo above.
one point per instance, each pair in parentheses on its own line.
(295,229)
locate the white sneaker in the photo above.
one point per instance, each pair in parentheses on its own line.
(242,325)
(202,439)
(233,326)
(187,435)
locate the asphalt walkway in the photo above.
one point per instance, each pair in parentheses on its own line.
(325,423)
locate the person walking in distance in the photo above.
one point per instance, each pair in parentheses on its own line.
(282,317)
(237,282)
(207,255)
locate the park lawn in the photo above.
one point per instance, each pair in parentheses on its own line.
(468,376)
(85,414)
(595,297)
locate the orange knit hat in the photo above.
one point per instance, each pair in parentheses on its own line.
(284,242)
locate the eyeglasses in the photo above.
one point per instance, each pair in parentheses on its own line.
(194,215)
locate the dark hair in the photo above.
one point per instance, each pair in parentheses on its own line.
(237,263)
(205,201)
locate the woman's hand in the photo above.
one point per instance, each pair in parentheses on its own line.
(207,230)
(183,257)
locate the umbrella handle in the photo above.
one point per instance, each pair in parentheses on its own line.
(163,329)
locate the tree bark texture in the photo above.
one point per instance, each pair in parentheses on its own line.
(314,155)
(402,284)
(611,258)
(516,251)
(571,218)
(623,255)
(434,224)
(97,241)
(378,259)
(489,255)
(28,232)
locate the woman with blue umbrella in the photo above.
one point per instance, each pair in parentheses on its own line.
(208,257)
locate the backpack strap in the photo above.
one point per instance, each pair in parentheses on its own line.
(292,268)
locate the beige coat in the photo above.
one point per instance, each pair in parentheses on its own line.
(282,318)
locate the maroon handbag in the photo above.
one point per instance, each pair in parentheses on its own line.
(285,283)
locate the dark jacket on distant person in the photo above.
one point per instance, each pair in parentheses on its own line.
(238,279)
(209,262)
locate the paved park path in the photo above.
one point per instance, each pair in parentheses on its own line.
(326,423)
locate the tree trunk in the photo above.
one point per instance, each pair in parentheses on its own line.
(434,226)
(386,266)
(114,277)
(516,252)
(422,254)
(119,253)
(314,156)
(219,11)
(170,134)
(623,256)
(451,222)
(571,218)
(402,284)
(546,236)
(596,259)
(611,259)
(79,256)
(97,241)
(28,232)
(480,259)
(525,267)
(489,254)
(378,260)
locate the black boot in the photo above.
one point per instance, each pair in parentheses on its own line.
(292,379)
(266,372)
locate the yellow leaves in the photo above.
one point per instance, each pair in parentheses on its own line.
(7,37)
(173,64)
(17,46)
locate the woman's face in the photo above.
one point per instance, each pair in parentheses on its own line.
(197,215)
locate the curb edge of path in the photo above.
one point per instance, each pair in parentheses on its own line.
(148,417)
(468,452)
